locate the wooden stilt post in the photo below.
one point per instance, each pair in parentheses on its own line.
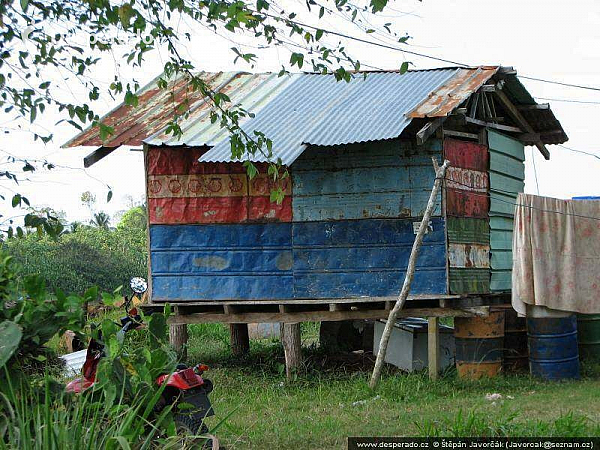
(433,347)
(240,341)
(292,348)
(440,173)
(178,337)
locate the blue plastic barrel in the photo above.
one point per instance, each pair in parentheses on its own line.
(553,352)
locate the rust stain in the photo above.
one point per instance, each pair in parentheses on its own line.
(480,327)
(452,93)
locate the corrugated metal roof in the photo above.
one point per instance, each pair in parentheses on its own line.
(252,91)
(451,94)
(319,110)
(301,109)
(157,107)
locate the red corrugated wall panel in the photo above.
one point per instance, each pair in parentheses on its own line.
(183,190)
(468,182)
(468,155)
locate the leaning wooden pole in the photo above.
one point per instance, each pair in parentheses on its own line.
(440,173)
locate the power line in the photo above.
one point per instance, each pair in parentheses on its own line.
(423,55)
(579,151)
(561,83)
(566,100)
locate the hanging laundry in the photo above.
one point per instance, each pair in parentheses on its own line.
(556,254)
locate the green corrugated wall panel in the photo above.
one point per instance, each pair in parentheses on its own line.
(469,281)
(502,204)
(501,280)
(501,232)
(464,230)
(507,173)
(501,259)
(506,165)
(506,145)
(509,184)
(501,223)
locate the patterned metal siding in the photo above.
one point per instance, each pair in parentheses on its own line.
(350,258)
(373,180)
(507,174)
(183,191)
(467,212)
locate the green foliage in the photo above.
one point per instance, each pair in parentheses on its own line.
(122,410)
(134,219)
(29,319)
(89,256)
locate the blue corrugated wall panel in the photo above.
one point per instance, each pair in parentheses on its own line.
(325,259)
(371,180)
(365,258)
(220,262)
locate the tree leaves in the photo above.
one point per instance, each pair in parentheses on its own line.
(404,68)
(10,337)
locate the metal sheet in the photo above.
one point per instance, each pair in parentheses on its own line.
(372,108)
(462,203)
(292,260)
(469,281)
(452,93)
(465,154)
(377,179)
(507,172)
(468,231)
(212,192)
(220,262)
(365,258)
(469,255)
(318,110)
(467,180)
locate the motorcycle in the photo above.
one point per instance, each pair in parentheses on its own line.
(183,386)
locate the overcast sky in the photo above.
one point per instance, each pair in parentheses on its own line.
(555,40)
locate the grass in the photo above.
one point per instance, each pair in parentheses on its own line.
(331,400)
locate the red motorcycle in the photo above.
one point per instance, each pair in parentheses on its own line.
(185,385)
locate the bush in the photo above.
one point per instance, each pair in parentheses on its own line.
(88,257)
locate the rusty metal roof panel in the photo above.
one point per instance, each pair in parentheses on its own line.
(457,89)
(251,91)
(318,110)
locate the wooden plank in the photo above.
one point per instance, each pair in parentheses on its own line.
(500,143)
(496,126)
(433,347)
(540,106)
(309,301)
(292,348)
(315,316)
(430,127)
(512,110)
(461,134)
(97,155)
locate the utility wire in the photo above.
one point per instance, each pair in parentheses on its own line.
(566,100)
(561,83)
(579,151)
(423,55)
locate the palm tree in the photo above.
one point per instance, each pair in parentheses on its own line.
(101,220)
